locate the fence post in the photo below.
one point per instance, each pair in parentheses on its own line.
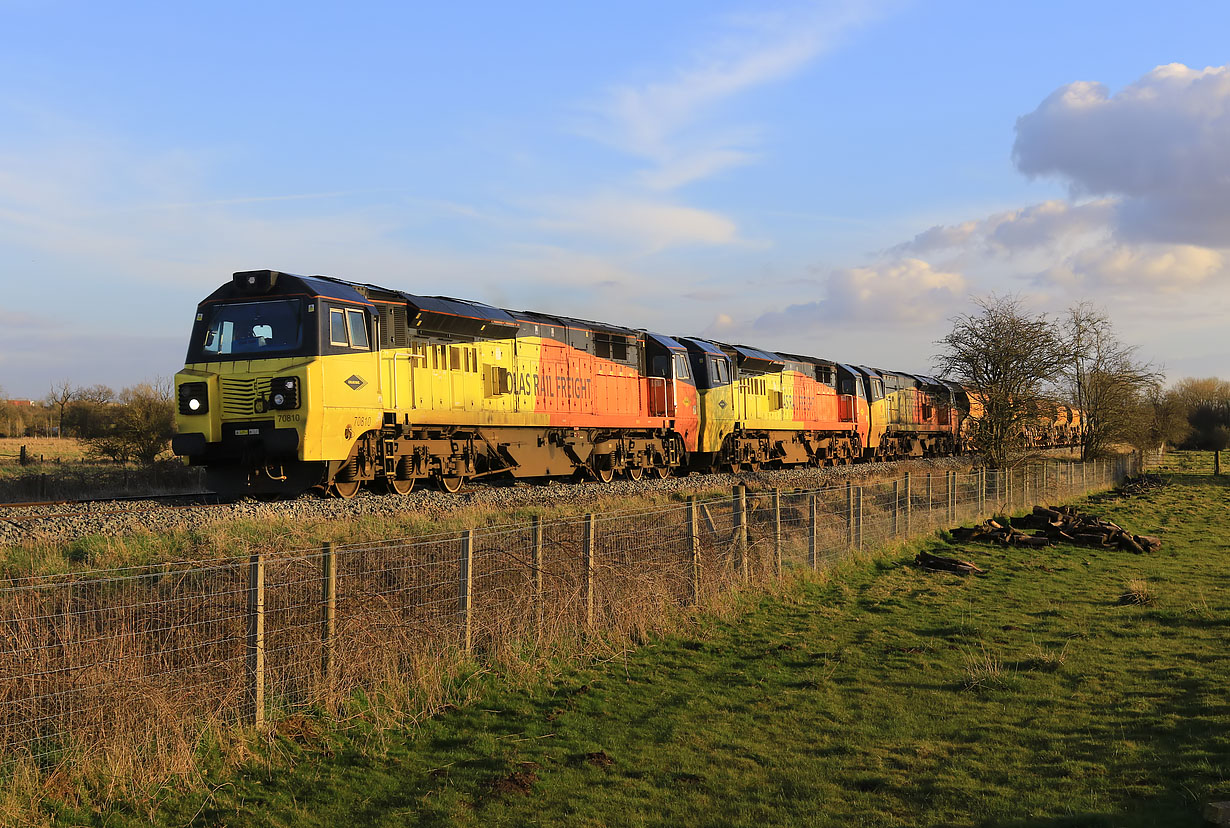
(536,566)
(328,610)
(694,546)
(909,506)
(1006,494)
(897,507)
(858,491)
(739,504)
(982,490)
(255,701)
(588,568)
(849,516)
(950,499)
(465,584)
(777,533)
(1217,464)
(812,540)
(930,504)
(1084,477)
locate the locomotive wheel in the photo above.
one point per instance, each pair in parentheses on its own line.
(346,489)
(635,472)
(661,472)
(754,466)
(401,487)
(451,483)
(604,474)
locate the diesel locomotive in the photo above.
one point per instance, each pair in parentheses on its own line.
(297,382)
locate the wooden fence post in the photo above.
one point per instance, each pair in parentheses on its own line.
(858,491)
(465,585)
(909,506)
(739,506)
(896,507)
(950,481)
(255,701)
(1217,464)
(849,516)
(536,566)
(694,547)
(328,610)
(982,490)
(588,570)
(777,533)
(812,528)
(930,504)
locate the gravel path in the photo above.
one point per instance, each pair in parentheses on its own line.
(66,522)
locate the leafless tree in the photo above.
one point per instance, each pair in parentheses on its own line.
(60,396)
(1206,405)
(1010,360)
(1105,381)
(139,426)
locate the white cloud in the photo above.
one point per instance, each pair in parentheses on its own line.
(650,226)
(1163,267)
(661,120)
(1161,145)
(902,293)
(1049,224)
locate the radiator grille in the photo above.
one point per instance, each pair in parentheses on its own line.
(239,396)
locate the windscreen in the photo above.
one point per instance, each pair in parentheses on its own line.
(251,330)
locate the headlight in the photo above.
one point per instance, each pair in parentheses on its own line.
(284,393)
(194,398)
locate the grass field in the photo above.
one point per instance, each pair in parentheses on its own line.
(1065,687)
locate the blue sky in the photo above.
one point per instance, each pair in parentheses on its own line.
(832,178)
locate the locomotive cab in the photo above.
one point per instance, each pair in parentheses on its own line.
(253,371)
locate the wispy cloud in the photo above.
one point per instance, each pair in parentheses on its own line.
(665,121)
(643,225)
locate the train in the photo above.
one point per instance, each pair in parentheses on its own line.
(294,383)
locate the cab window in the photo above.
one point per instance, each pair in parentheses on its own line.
(337,328)
(681,367)
(357,327)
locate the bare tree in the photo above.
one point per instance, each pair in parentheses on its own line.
(1206,405)
(1105,381)
(139,426)
(1009,360)
(60,396)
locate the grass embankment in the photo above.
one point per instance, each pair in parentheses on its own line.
(1043,693)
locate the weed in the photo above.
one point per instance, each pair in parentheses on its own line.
(1136,591)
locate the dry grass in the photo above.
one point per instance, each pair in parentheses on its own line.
(125,681)
(1136,591)
(983,671)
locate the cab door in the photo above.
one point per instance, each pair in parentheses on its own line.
(719,409)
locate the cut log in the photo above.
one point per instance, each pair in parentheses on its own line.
(938,563)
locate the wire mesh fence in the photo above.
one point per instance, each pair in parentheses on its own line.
(1189,462)
(144,658)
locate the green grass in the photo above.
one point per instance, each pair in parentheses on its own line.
(885,696)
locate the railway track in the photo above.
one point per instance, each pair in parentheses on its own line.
(159,502)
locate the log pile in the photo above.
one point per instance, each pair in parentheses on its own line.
(1060,524)
(1141,483)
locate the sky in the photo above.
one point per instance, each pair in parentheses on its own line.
(830,178)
